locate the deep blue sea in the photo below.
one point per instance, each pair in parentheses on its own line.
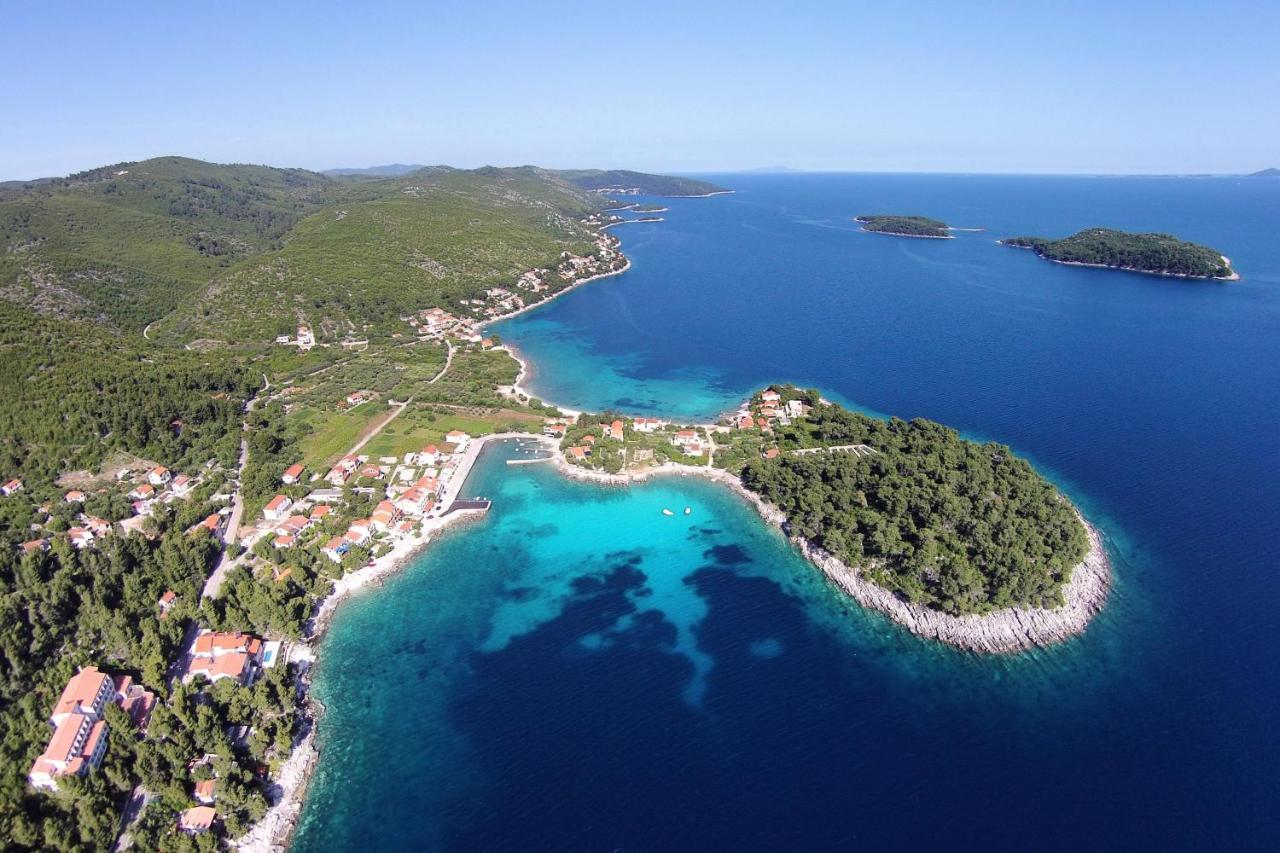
(579,672)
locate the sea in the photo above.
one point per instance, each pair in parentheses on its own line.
(579,671)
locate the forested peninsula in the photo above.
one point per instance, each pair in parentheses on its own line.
(954,525)
(904,226)
(1157,254)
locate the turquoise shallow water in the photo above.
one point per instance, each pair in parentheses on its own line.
(578,671)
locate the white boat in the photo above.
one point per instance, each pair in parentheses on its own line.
(667,512)
(688,510)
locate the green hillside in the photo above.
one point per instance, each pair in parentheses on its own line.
(624,180)
(429,238)
(128,243)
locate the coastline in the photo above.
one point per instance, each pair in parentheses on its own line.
(1005,631)
(912,236)
(1010,630)
(1235,276)
(626,265)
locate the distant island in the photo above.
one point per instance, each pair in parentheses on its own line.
(1265,173)
(1156,254)
(905,226)
(625,182)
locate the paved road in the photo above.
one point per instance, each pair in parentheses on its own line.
(213,586)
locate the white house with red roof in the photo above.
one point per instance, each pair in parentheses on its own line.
(158,475)
(182,485)
(293,474)
(335,548)
(81,537)
(75,496)
(11,488)
(458,438)
(217,655)
(277,509)
(769,396)
(646,424)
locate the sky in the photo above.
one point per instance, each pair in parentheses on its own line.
(1094,87)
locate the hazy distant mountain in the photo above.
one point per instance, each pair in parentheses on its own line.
(393,170)
(773,170)
(1266,173)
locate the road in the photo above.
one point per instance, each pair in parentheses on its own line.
(213,585)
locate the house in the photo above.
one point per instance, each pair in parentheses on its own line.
(77,746)
(34,545)
(11,488)
(75,496)
(320,513)
(412,501)
(693,448)
(325,496)
(144,492)
(203,791)
(166,601)
(589,440)
(293,474)
(335,548)
(359,533)
(357,397)
(615,430)
(197,819)
(211,523)
(795,408)
(79,731)
(159,475)
(428,483)
(217,655)
(87,693)
(99,526)
(373,472)
(278,508)
(769,396)
(429,455)
(578,452)
(182,485)
(746,422)
(646,424)
(385,516)
(684,437)
(284,540)
(458,438)
(293,525)
(771,453)
(134,699)
(555,430)
(80,537)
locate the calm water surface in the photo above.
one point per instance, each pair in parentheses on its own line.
(579,672)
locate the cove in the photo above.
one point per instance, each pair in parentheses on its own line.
(571,674)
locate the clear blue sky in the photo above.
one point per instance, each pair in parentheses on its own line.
(957,86)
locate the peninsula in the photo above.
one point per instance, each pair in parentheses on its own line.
(1155,254)
(905,226)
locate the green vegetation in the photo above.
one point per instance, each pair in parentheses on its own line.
(904,226)
(74,393)
(623,180)
(1150,253)
(133,241)
(952,524)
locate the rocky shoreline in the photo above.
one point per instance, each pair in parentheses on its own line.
(1012,629)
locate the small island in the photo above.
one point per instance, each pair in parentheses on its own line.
(1155,254)
(905,226)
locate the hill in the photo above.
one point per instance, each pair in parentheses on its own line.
(1160,254)
(389,247)
(621,181)
(1265,173)
(127,243)
(391,170)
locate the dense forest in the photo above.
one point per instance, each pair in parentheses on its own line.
(1153,253)
(956,525)
(74,393)
(904,226)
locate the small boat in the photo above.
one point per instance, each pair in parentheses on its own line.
(667,512)
(688,510)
